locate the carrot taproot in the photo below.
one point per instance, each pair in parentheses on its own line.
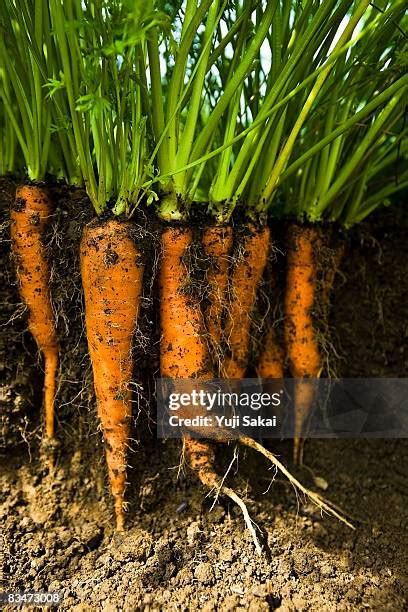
(183,350)
(217,242)
(201,457)
(30,215)
(300,334)
(245,280)
(303,349)
(112,277)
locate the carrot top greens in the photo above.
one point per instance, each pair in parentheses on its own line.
(271,77)
(25,50)
(292,108)
(102,54)
(8,140)
(355,144)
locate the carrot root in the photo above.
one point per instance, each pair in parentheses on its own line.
(322,503)
(200,455)
(184,352)
(112,276)
(300,334)
(246,277)
(304,395)
(50,389)
(30,216)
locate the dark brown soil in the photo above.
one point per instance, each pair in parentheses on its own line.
(179,552)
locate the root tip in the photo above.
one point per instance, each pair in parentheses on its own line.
(120,515)
(120,523)
(298,445)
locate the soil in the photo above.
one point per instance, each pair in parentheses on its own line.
(181,550)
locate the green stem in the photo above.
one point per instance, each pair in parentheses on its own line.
(287,149)
(355,159)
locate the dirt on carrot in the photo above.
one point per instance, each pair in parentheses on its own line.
(271,363)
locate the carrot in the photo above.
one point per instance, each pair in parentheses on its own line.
(29,218)
(301,341)
(201,457)
(112,276)
(300,334)
(245,280)
(217,243)
(183,350)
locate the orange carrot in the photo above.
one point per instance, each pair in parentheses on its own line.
(300,334)
(217,242)
(29,218)
(112,276)
(183,349)
(245,280)
(201,457)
